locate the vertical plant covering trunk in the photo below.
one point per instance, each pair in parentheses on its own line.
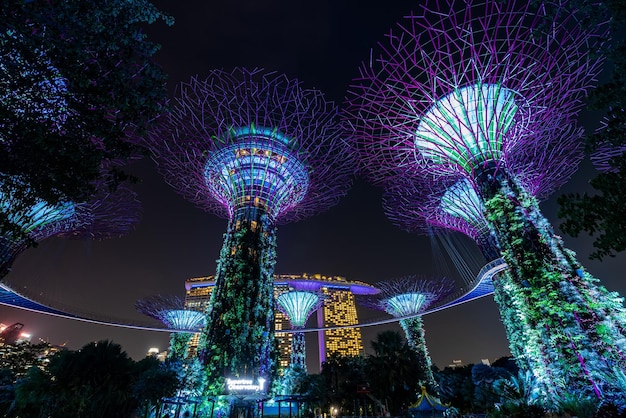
(414,331)
(179,344)
(237,341)
(298,350)
(524,340)
(578,326)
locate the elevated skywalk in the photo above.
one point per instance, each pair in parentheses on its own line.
(482,286)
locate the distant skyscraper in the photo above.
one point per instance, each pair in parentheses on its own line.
(339,309)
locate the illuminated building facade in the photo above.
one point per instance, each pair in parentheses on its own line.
(338,309)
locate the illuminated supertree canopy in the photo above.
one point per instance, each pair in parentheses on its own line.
(480,91)
(409,297)
(298,306)
(259,149)
(108,214)
(455,206)
(170,310)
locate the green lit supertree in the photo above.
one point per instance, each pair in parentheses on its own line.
(407,298)
(298,305)
(170,310)
(470,93)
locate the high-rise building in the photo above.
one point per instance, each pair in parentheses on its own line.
(338,309)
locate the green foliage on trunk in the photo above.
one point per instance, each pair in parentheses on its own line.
(575,327)
(238,338)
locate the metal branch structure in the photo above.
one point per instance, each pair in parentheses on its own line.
(298,306)
(259,149)
(108,214)
(456,206)
(610,127)
(410,296)
(481,91)
(170,310)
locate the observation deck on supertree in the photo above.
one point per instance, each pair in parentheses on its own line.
(108,214)
(298,306)
(410,296)
(258,149)
(476,90)
(170,310)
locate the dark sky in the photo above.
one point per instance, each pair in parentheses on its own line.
(321,43)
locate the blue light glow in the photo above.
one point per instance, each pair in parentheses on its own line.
(461,201)
(38,215)
(467,125)
(183,319)
(406,304)
(298,306)
(257,170)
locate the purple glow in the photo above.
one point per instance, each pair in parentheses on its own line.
(409,295)
(610,127)
(254,138)
(451,91)
(106,215)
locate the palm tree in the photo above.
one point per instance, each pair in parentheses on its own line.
(393,370)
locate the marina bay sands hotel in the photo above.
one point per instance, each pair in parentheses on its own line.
(339,308)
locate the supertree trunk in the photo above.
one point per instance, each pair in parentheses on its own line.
(414,331)
(179,344)
(525,341)
(298,350)
(578,322)
(242,301)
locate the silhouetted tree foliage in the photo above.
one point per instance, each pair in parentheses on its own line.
(456,387)
(394,371)
(342,376)
(99,380)
(602,214)
(7,391)
(77,79)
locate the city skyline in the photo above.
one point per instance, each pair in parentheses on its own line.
(176,241)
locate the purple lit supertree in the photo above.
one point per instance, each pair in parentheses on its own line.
(259,149)
(170,310)
(298,306)
(407,298)
(470,93)
(107,214)
(440,205)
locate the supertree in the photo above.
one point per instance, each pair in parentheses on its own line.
(170,310)
(259,149)
(107,214)
(407,298)
(444,205)
(468,93)
(298,306)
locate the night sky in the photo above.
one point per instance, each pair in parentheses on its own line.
(321,43)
